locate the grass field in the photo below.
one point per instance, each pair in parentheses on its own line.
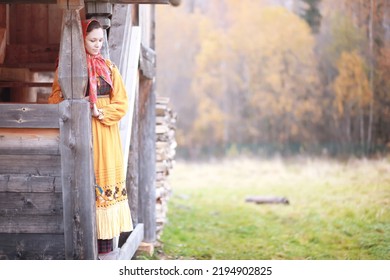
(338,210)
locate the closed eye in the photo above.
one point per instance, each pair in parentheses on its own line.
(94,40)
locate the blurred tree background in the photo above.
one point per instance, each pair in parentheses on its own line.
(277,76)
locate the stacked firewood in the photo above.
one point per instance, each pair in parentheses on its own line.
(165,154)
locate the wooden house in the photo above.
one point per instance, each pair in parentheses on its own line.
(47,200)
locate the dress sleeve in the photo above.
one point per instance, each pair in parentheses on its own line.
(56,94)
(118,105)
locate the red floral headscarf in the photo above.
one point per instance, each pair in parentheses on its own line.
(97,67)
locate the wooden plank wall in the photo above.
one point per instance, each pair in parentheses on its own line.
(3,31)
(34,33)
(31,208)
(3,10)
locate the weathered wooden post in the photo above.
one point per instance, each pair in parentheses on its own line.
(147,137)
(76,139)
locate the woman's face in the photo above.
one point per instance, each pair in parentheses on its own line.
(94,41)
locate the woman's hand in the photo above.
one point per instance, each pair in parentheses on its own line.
(95,112)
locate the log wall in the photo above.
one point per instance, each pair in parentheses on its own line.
(31,211)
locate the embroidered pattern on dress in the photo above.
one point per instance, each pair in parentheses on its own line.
(109,195)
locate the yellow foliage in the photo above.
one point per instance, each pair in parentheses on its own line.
(351,85)
(255,70)
(245,71)
(209,123)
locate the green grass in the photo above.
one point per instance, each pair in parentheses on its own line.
(337,210)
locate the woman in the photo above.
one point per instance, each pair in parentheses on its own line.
(107,96)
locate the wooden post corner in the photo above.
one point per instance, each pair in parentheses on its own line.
(71,4)
(72,67)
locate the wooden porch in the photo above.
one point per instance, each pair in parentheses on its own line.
(47,199)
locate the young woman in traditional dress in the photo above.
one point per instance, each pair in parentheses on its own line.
(107,96)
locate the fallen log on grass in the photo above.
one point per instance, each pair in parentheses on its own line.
(267,200)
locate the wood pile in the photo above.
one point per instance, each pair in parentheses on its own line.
(165,158)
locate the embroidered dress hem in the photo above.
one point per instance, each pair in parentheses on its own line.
(111,221)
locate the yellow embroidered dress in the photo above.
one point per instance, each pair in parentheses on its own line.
(112,208)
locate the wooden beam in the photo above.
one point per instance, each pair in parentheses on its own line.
(76,141)
(29,115)
(31,223)
(18,74)
(28,1)
(71,4)
(111,1)
(120,36)
(3,43)
(132,178)
(147,135)
(147,156)
(24,84)
(29,183)
(72,68)
(42,165)
(77,180)
(98,8)
(128,249)
(31,67)
(138,1)
(34,204)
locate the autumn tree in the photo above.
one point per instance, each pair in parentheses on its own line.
(251,72)
(277,74)
(353,96)
(208,88)
(356,26)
